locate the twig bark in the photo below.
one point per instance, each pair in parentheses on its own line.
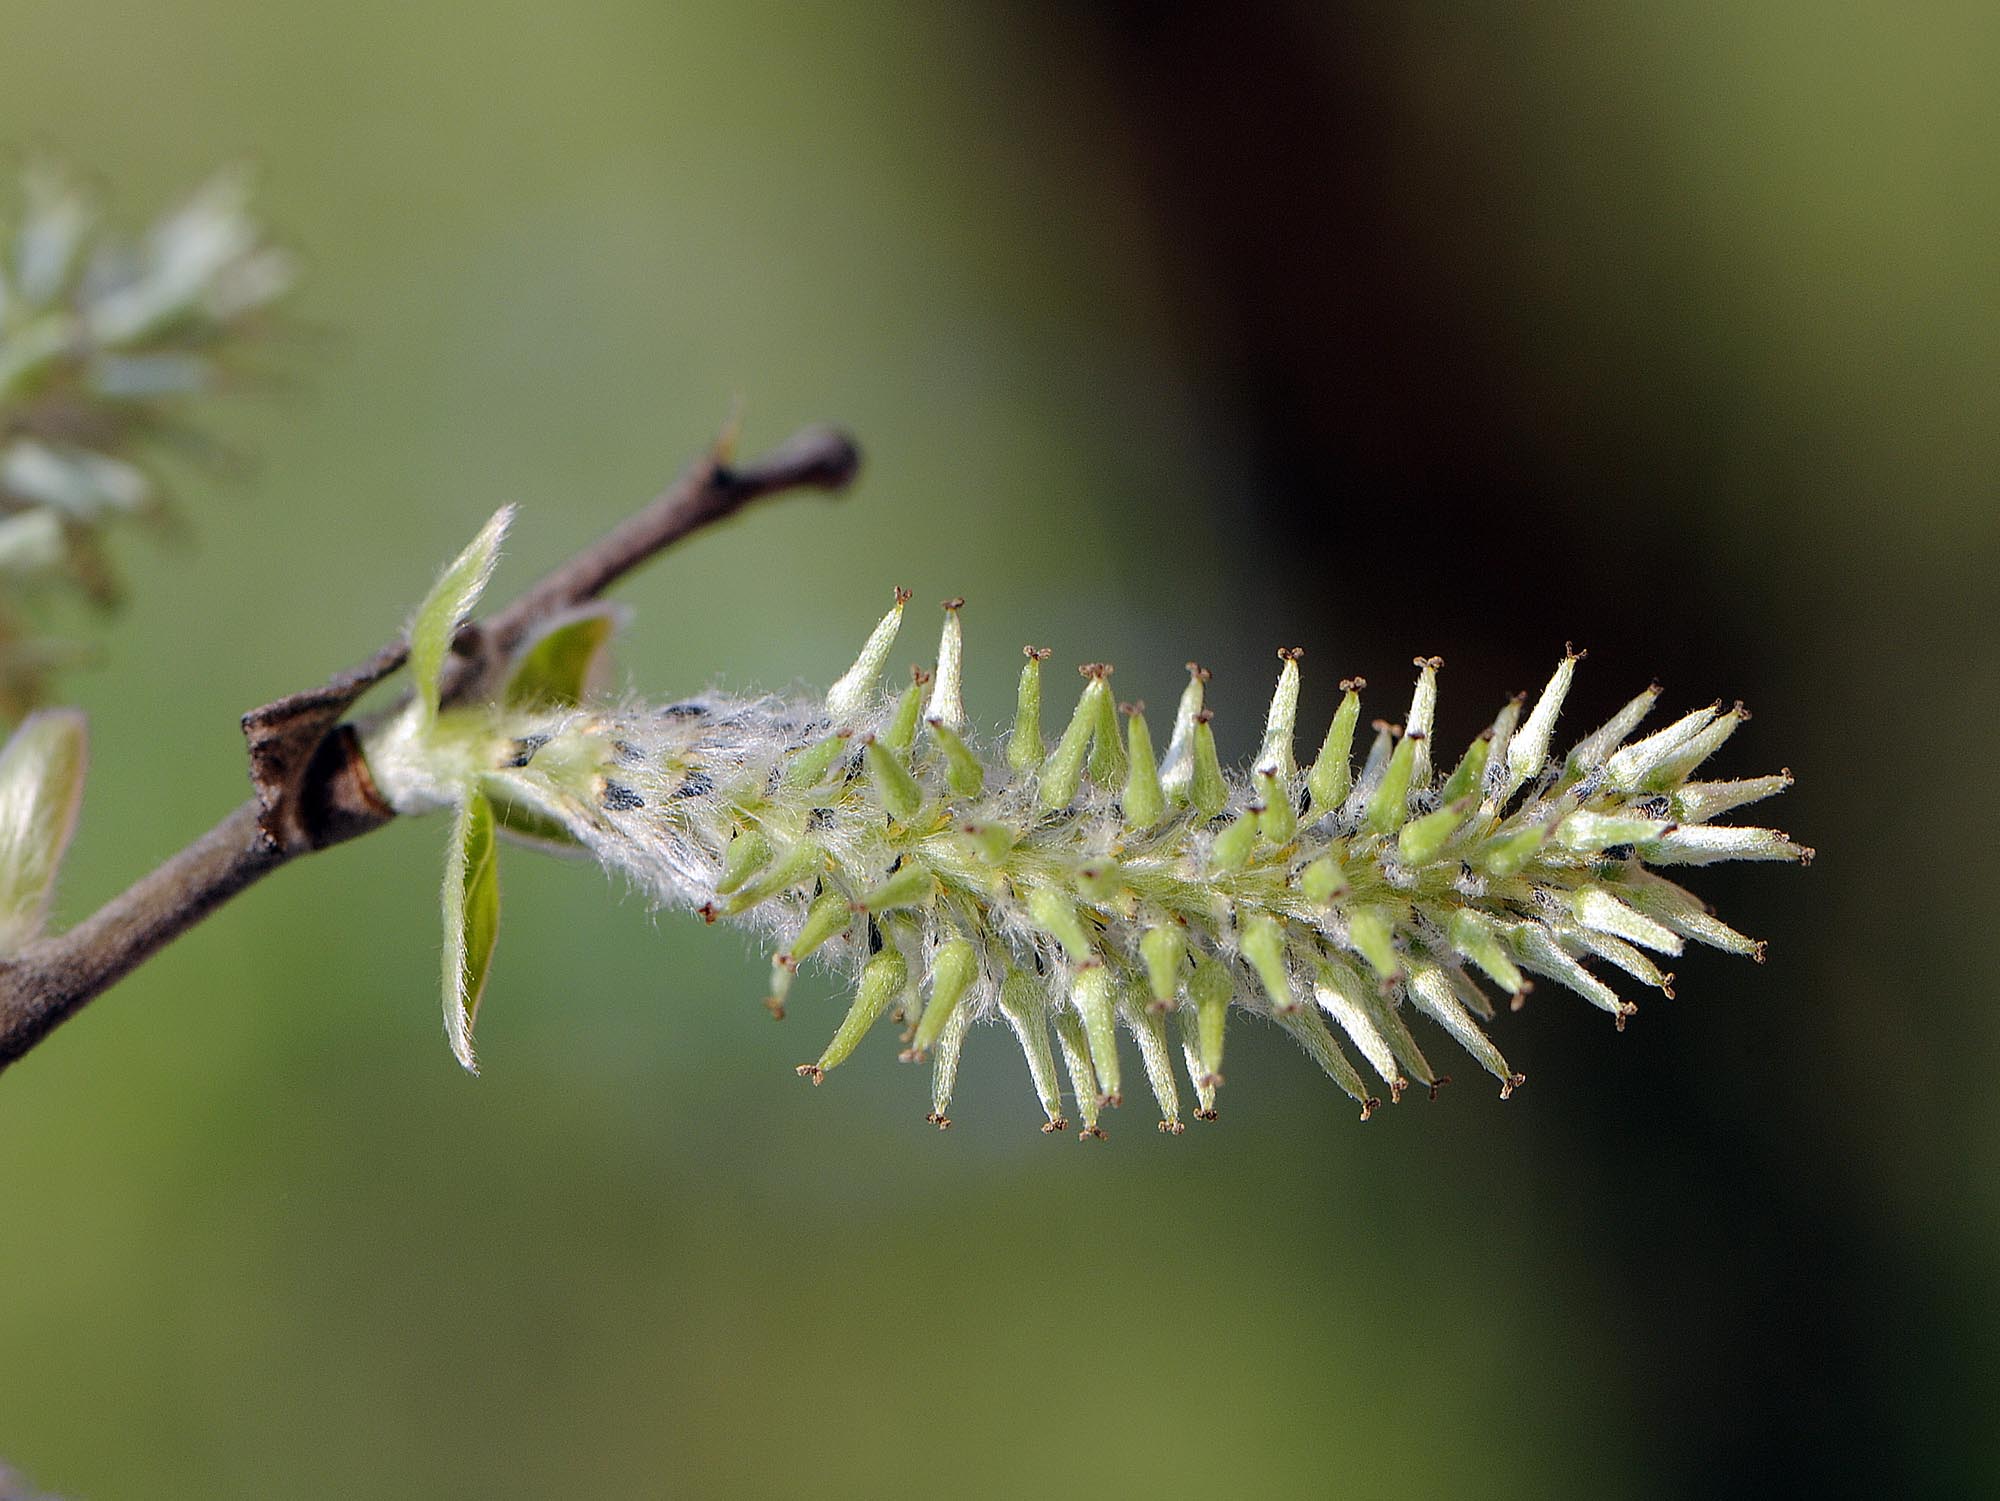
(312,787)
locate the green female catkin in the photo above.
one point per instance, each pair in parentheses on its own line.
(1100,898)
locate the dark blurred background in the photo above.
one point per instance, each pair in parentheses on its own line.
(1170,331)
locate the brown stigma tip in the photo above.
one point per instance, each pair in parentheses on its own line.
(1624,1014)
(708,912)
(1439,1083)
(1396,1088)
(956,602)
(1369,1106)
(1054,1124)
(903,596)
(1097,672)
(941,1121)
(919,676)
(776,1007)
(1091,1133)
(1291,654)
(1353,685)
(1514,1082)
(1208,1115)
(1667,985)
(1433,663)
(810,1071)
(1172,1128)
(1134,709)
(1110,1101)
(911,1055)
(1037,653)
(1198,672)
(1573,653)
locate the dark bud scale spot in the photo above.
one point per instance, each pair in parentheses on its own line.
(525,748)
(698,784)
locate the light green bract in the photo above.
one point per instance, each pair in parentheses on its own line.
(1099,896)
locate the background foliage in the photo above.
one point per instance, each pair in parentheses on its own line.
(1393,329)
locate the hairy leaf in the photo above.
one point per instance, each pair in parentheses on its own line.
(471,920)
(41,788)
(560,665)
(451,599)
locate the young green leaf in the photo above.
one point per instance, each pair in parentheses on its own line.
(471,920)
(451,599)
(41,788)
(560,665)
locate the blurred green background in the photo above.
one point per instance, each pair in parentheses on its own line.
(1168,330)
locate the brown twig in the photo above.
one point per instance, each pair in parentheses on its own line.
(312,787)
